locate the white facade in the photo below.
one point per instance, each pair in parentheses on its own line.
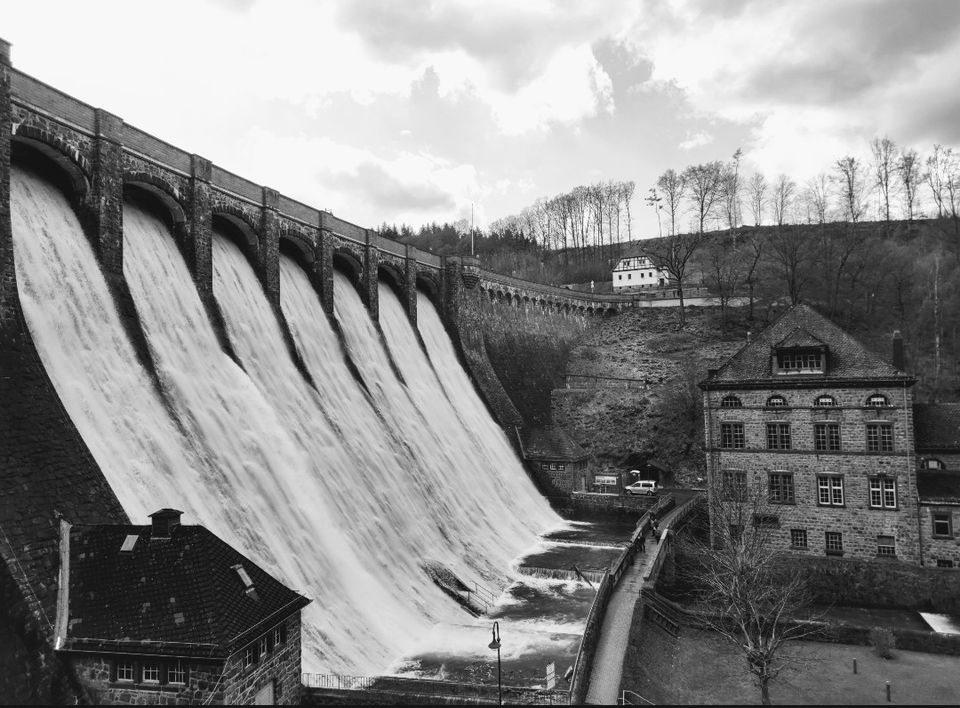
(638,272)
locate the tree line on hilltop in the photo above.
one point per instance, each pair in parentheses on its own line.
(811,242)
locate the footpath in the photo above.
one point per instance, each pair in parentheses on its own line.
(607,669)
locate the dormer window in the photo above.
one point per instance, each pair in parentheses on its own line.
(801,361)
(878,400)
(731,402)
(776,401)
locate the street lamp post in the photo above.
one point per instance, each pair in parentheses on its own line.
(495,644)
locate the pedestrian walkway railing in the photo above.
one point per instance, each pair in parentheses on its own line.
(582,668)
(632,698)
(663,544)
(452,691)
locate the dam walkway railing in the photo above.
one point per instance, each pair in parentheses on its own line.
(419,691)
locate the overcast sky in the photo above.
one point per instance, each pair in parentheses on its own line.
(412,110)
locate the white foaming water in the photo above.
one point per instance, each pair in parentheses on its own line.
(340,493)
(85,351)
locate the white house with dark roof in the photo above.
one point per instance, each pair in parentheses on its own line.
(167,613)
(637,271)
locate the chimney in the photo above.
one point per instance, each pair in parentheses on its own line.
(164,522)
(898,350)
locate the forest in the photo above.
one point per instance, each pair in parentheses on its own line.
(874,244)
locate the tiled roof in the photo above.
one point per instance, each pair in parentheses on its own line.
(551,444)
(181,589)
(938,487)
(801,325)
(936,426)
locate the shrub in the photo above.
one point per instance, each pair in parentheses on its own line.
(882,641)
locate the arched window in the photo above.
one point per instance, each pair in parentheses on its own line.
(932,463)
(877,400)
(824,400)
(776,401)
(731,402)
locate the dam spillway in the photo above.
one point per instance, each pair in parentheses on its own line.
(344,487)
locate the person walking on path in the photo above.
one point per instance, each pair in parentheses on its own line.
(656,531)
(643,541)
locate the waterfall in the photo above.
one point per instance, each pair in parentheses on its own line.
(346,490)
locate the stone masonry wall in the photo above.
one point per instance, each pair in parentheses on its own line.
(281,667)
(204,683)
(859,523)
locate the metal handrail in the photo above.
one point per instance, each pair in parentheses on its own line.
(624,702)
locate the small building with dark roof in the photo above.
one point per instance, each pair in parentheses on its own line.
(557,461)
(937,435)
(171,614)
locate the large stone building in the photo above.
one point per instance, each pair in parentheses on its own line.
(817,435)
(170,614)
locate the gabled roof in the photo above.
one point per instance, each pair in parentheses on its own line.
(178,595)
(801,325)
(936,426)
(551,444)
(938,487)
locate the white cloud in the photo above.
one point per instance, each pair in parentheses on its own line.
(698,139)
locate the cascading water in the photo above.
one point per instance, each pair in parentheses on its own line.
(342,491)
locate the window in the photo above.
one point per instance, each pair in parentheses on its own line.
(799,361)
(886,546)
(883,493)
(778,436)
(834,543)
(151,673)
(879,437)
(248,656)
(932,463)
(734,485)
(944,563)
(731,402)
(561,467)
(731,435)
(877,400)
(776,402)
(262,647)
(177,673)
(798,538)
(826,437)
(942,524)
(781,488)
(824,401)
(829,491)
(277,636)
(124,671)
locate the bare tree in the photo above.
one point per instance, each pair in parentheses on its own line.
(936,175)
(819,194)
(757,187)
(849,176)
(790,252)
(704,189)
(672,186)
(749,598)
(908,169)
(884,169)
(725,271)
(783,193)
(673,253)
(629,187)
(653,201)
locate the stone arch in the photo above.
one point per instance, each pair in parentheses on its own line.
(347,262)
(65,166)
(298,251)
(230,223)
(392,276)
(430,284)
(160,191)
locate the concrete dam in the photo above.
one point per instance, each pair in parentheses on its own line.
(329,402)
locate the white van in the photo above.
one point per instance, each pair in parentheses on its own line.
(644,486)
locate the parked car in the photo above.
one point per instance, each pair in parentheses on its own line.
(644,486)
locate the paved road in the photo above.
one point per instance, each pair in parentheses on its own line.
(615,631)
